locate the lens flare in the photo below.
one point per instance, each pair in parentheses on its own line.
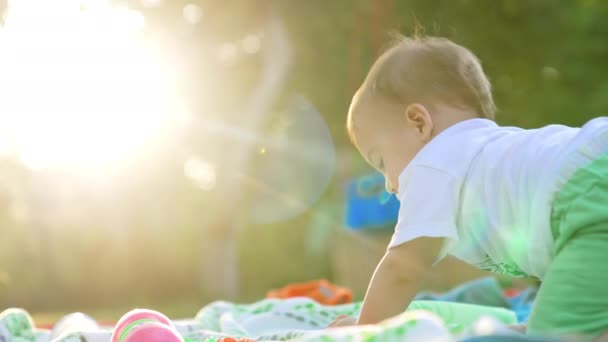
(293,167)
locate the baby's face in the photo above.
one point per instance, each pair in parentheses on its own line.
(383,138)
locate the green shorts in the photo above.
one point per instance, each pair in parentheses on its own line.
(573,298)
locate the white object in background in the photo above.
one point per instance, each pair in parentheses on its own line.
(76,326)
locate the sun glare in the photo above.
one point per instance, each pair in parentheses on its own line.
(81,86)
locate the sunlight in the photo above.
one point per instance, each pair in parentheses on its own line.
(81,87)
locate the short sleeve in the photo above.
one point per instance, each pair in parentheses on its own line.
(429,204)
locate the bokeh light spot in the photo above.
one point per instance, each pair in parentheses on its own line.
(192,13)
(485,326)
(202,173)
(550,73)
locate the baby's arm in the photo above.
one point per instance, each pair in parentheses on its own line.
(397,279)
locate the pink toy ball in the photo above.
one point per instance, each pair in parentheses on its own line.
(139,317)
(151,332)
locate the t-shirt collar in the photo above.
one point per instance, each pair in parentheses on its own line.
(444,150)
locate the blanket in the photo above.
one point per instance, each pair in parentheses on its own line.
(299,319)
(467,313)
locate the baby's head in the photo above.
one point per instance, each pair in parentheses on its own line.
(416,89)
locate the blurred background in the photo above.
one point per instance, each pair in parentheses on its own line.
(166,153)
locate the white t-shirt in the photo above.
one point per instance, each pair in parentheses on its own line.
(488,190)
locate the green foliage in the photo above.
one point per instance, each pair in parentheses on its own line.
(546,59)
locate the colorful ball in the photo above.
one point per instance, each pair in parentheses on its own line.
(151,332)
(137,317)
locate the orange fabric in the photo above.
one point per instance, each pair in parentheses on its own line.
(321,291)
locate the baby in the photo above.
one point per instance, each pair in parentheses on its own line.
(525,203)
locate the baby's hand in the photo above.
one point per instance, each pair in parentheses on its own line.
(343,321)
(521,328)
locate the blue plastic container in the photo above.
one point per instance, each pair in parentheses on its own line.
(368,205)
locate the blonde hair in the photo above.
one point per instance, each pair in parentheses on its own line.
(430,70)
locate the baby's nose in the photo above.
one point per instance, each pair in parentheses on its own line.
(389,187)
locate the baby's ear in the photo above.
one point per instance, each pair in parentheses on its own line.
(418,117)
